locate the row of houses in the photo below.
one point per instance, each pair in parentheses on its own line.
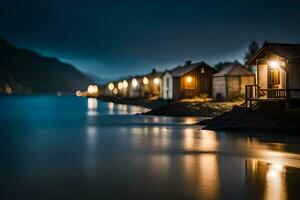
(275,76)
(190,80)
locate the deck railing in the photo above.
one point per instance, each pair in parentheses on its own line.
(253,94)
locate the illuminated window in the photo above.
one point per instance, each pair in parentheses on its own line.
(202,70)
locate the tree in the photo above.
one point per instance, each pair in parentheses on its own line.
(224,64)
(252,50)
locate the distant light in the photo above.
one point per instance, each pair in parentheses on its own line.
(134,82)
(58,93)
(189,79)
(125,84)
(156,81)
(78,93)
(145,80)
(115,91)
(92,89)
(8,89)
(274,64)
(120,85)
(111,86)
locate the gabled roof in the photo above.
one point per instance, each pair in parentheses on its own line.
(234,69)
(287,51)
(181,70)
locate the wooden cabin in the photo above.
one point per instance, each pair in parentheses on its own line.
(151,84)
(188,81)
(277,69)
(229,83)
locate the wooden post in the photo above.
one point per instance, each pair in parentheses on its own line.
(287,84)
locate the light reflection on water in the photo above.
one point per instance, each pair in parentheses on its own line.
(100,150)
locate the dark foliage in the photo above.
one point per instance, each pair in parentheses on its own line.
(252,49)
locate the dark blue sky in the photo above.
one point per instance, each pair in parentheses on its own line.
(117,38)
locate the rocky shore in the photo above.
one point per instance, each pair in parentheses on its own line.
(188,107)
(267,117)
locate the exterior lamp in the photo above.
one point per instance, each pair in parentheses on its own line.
(189,79)
(274,64)
(125,84)
(134,82)
(111,86)
(156,81)
(145,80)
(120,85)
(115,91)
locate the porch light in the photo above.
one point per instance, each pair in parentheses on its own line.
(274,64)
(156,81)
(115,91)
(134,82)
(120,85)
(189,79)
(145,80)
(111,86)
(125,84)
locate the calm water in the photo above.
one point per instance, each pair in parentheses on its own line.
(75,148)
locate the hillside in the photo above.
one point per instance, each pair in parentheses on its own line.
(24,70)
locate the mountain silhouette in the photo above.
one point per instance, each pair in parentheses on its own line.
(25,71)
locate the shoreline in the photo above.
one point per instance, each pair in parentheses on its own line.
(181,108)
(266,118)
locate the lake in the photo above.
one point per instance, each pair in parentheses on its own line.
(76,148)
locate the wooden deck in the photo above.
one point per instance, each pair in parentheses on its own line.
(253,95)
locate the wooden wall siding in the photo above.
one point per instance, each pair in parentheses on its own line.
(201,83)
(231,87)
(294,77)
(246,80)
(263,76)
(219,87)
(176,88)
(234,87)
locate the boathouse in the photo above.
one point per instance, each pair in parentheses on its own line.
(229,83)
(277,69)
(188,81)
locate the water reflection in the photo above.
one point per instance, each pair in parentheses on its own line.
(202,175)
(200,140)
(135,156)
(92,107)
(266,179)
(111,108)
(122,109)
(209,176)
(275,182)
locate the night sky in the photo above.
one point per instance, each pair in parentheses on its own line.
(117,38)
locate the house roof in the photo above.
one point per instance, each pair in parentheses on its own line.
(287,51)
(181,70)
(154,74)
(234,69)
